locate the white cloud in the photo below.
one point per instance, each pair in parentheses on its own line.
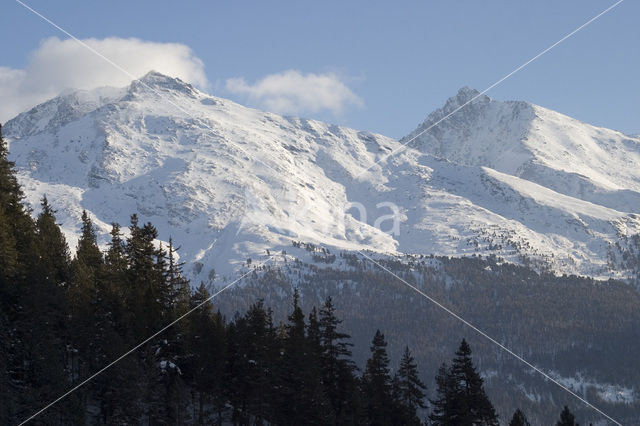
(57,65)
(291,92)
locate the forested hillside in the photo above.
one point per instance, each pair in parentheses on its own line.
(66,315)
(583,332)
(64,318)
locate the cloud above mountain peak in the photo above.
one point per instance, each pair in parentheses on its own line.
(57,65)
(295,93)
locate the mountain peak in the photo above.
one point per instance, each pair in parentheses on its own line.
(157,81)
(465,95)
(468,104)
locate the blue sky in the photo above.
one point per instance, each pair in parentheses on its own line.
(395,61)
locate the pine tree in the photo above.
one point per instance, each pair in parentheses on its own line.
(445,408)
(118,389)
(86,307)
(115,257)
(320,407)
(475,405)
(87,267)
(461,397)
(338,370)
(8,250)
(293,405)
(42,362)
(519,419)
(205,357)
(179,286)
(151,304)
(17,228)
(54,256)
(88,251)
(379,403)
(116,278)
(566,418)
(409,390)
(147,293)
(251,365)
(31,346)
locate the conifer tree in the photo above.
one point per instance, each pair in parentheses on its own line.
(20,335)
(566,418)
(54,255)
(115,276)
(86,267)
(88,251)
(292,405)
(8,250)
(116,257)
(314,337)
(409,390)
(320,407)
(380,407)
(86,307)
(251,363)
(179,287)
(147,294)
(444,410)
(474,403)
(461,397)
(519,419)
(338,370)
(17,228)
(43,338)
(205,357)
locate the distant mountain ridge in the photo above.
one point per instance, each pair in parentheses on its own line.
(228,183)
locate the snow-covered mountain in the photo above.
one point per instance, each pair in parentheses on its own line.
(229,182)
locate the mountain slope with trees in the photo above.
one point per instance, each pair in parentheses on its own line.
(65,317)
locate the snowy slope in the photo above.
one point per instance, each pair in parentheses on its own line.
(521,139)
(229,182)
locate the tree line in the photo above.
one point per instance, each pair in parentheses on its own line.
(64,317)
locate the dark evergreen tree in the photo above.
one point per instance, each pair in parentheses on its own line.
(251,366)
(179,288)
(54,255)
(319,405)
(474,403)
(461,397)
(17,229)
(86,270)
(115,257)
(10,266)
(445,407)
(8,250)
(566,418)
(408,389)
(380,406)
(46,363)
(338,370)
(147,293)
(205,358)
(87,337)
(519,419)
(116,280)
(292,403)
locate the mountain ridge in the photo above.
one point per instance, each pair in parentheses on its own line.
(186,161)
